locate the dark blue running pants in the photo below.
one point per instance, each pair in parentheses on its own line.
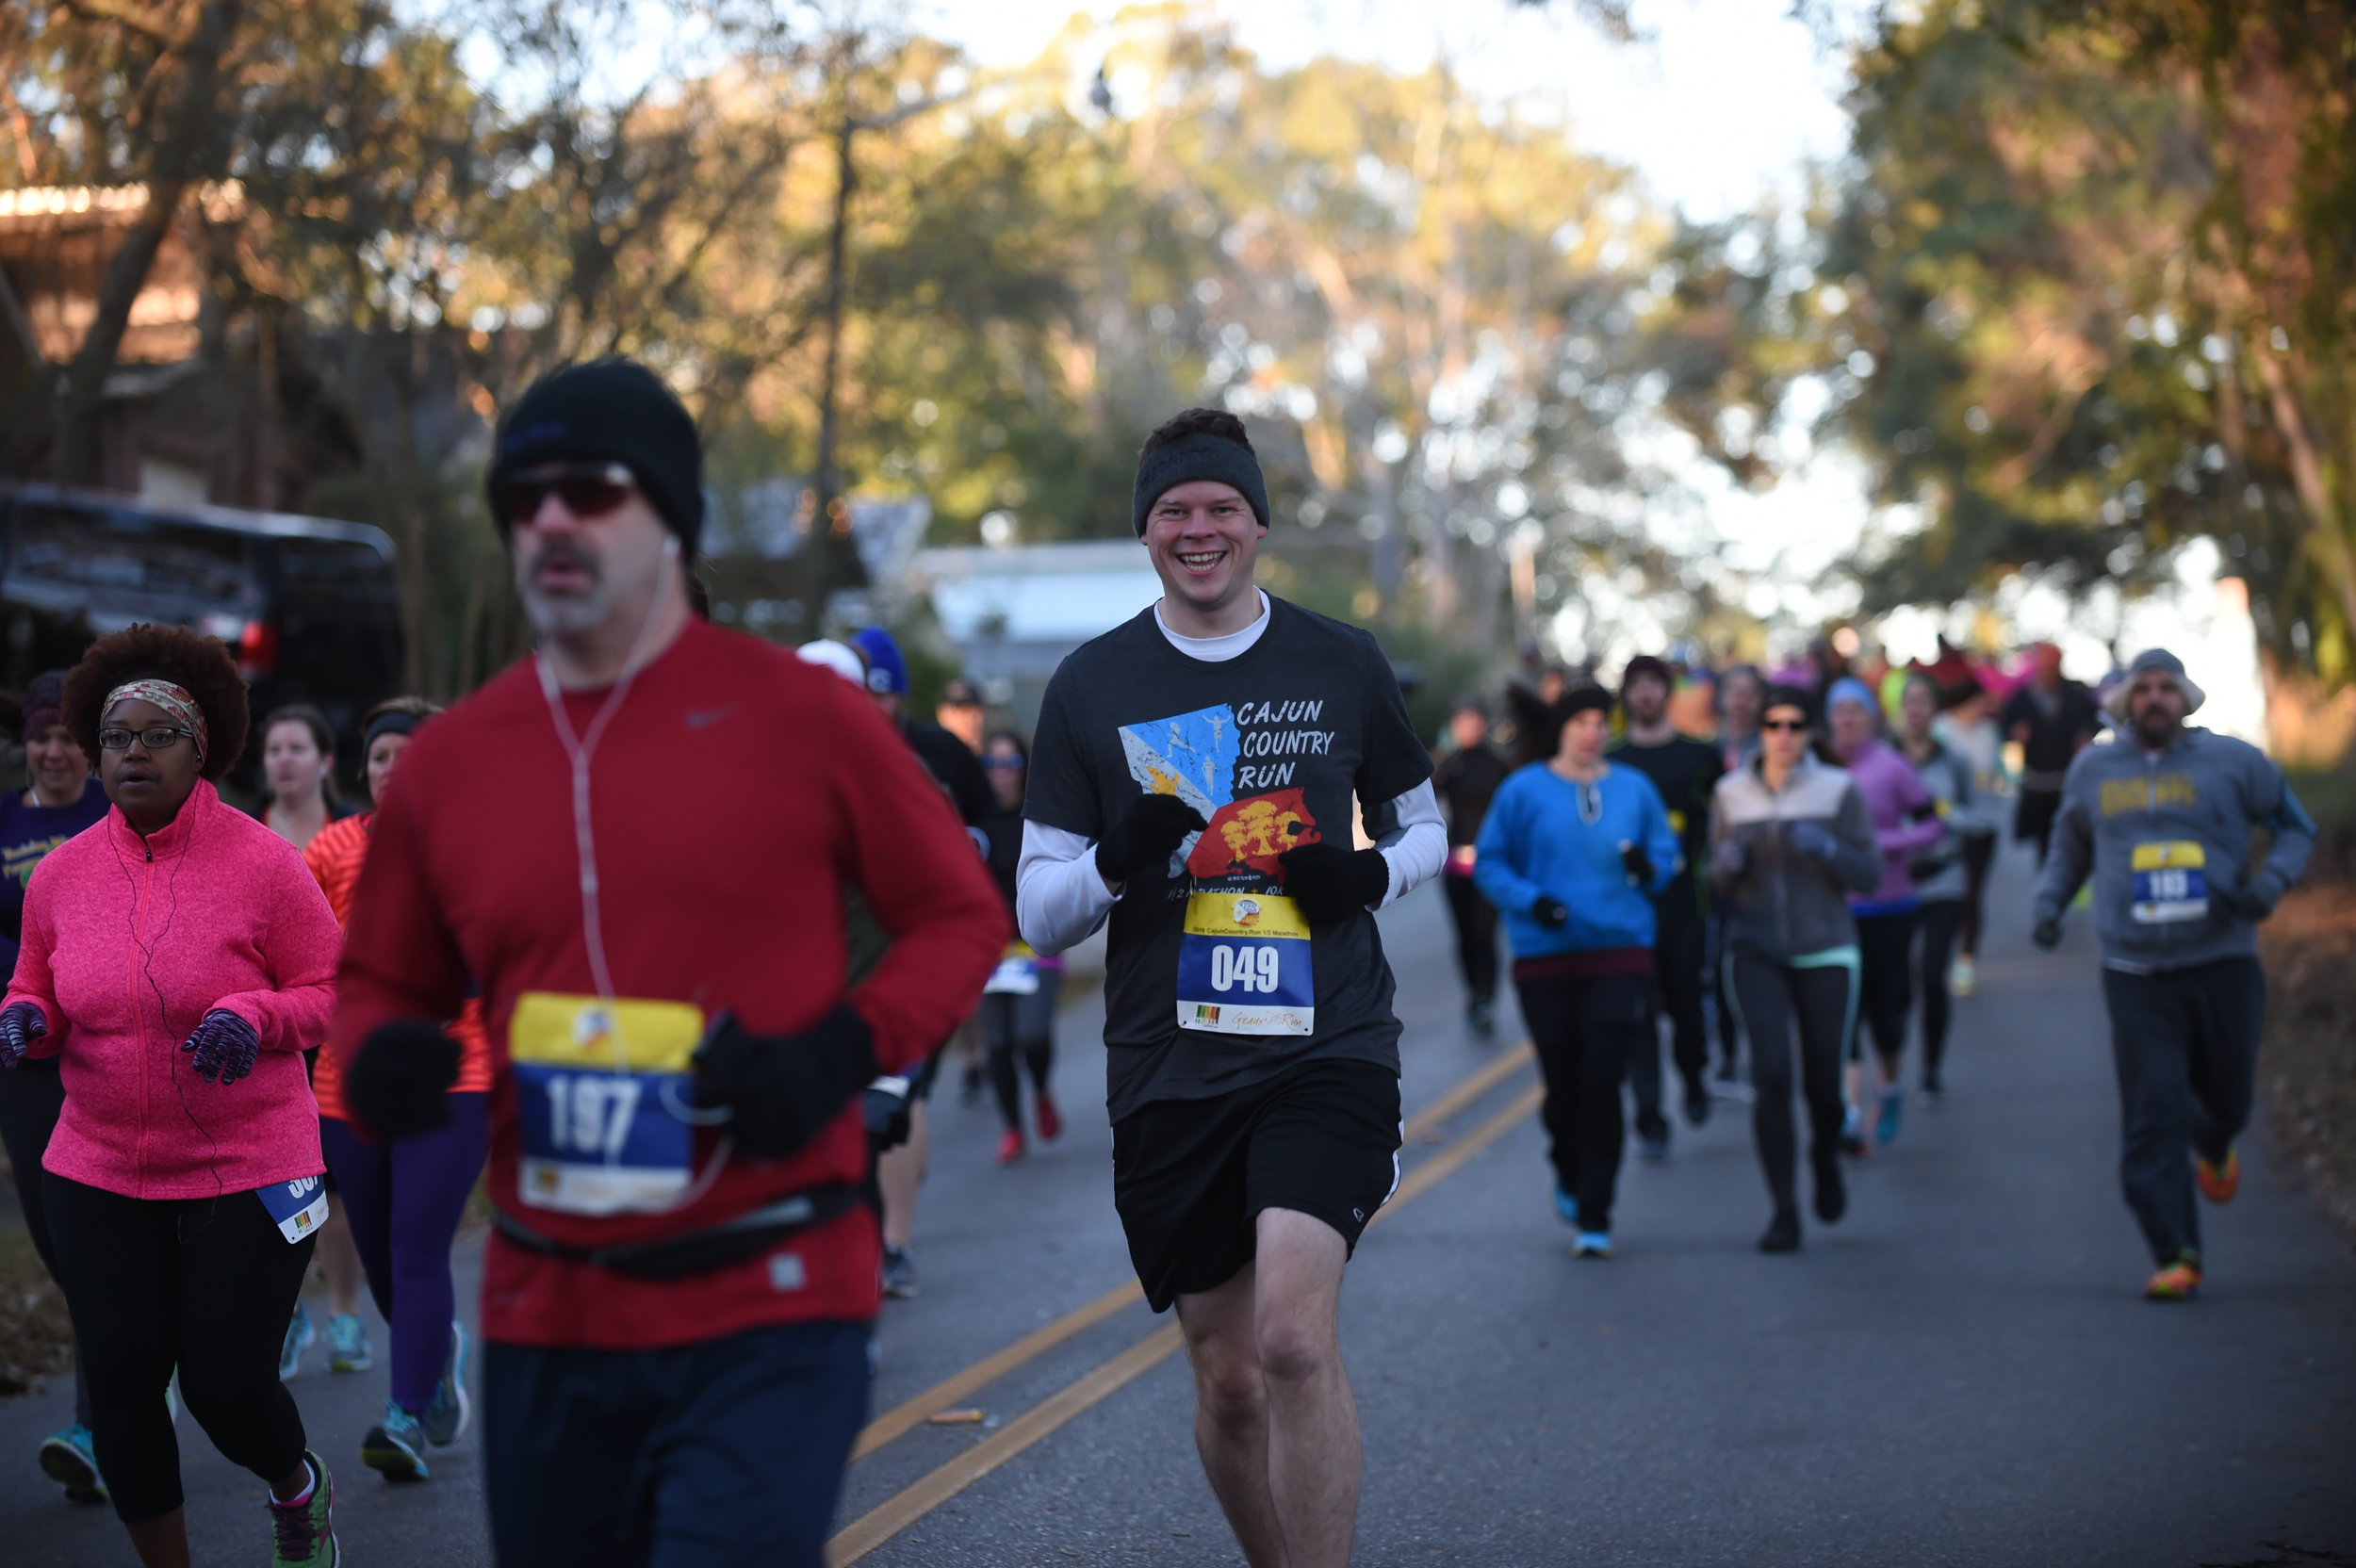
(724,1454)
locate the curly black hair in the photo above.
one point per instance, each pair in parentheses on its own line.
(186,658)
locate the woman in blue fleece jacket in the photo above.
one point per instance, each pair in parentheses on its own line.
(1573,852)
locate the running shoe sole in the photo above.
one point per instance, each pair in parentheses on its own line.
(440,1429)
(64,1462)
(301,1335)
(389,1456)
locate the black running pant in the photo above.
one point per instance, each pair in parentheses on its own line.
(1940,923)
(2185,1044)
(1584,1029)
(2033,814)
(1730,1027)
(1885,945)
(1979,850)
(1773,997)
(31,1095)
(1475,921)
(1013,1025)
(204,1284)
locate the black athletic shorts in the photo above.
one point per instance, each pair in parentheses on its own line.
(1191,1176)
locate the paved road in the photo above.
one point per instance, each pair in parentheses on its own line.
(1960,1373)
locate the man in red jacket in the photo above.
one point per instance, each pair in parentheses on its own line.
(678,1295)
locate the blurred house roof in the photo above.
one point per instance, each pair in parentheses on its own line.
(56,245)
(1036,596)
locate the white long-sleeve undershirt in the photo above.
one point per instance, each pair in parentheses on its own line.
(1060,897)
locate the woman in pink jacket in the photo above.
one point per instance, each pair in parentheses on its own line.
(178,959)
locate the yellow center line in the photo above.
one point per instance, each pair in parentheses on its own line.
(903,1508)
(910,1414)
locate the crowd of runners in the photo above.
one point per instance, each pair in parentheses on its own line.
(684,1053)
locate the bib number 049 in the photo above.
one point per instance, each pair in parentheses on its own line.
(1253,967)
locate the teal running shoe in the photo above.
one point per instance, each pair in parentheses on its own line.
(1886,1124)
(1592,1244)
(348,1343)
(395,1446)
(67,1459)
(445,1419)
(1566,1208)
(300,1336)
(304,1534)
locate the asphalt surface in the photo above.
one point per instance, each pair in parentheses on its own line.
(1961,1372)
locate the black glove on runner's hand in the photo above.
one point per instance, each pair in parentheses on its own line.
(1331,882)
(2242,899)
(2046,933)
(783,1088)
(19,1026)
(1550,912)
(1637,864)
(221,1047)
(398,1085)
(1147,837)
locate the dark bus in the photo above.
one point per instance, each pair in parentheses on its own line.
(309,607)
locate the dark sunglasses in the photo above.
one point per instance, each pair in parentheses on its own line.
(1783,724)
(587,490)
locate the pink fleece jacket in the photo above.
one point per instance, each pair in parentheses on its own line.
(128,943)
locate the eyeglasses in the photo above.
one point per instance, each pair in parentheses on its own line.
(162,737)
(587,490)
(1783,724)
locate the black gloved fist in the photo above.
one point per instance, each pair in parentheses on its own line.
(1331,882)
(1553,913)
(2047,932)
(1147,837)
(1637,864)
(784,1089)
(2244,901)
(399,1085)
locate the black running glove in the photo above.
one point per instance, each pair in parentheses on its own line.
(1331,882)
(784,1089)
(1147,837)
(1637,864)
(2047,932)
(221,1047)
(2243,900)
(1553,913)
(399,1085)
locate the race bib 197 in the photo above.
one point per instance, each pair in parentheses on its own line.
(297,1207)
(1243,966)
(599,1086)
(2171,883)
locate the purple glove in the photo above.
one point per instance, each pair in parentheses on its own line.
(19,1026)
(222,1047)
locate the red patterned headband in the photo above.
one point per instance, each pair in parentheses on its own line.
(175,700)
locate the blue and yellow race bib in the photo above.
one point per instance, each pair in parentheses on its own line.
(1017,974)
(599,1089)
(2171,882)
(1243,966)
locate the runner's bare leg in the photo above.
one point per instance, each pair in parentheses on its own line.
(1231,1412)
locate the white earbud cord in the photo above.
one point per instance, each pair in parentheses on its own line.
(581,750)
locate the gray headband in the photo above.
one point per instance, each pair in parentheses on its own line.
(1200,455)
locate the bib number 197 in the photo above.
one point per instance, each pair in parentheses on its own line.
(589,1114)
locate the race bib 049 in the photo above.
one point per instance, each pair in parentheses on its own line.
(299,1207)
(2170,883)
(599,1089)
(1243,966)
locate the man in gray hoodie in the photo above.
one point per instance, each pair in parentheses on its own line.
(2161,817)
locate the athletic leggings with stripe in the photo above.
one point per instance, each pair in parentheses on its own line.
(1818,992)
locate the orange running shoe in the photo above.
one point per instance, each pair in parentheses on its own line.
(2176,1282)
(1011,1146)
(2219,1183)
(1050,1118)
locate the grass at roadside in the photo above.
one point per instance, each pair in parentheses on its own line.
(35,1336)
(2307,1068)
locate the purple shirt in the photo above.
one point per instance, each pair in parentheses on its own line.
(1906,823)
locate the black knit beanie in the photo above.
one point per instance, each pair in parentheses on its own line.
(1196,455)
(609,411)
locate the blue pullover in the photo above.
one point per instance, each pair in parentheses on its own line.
(1538,842)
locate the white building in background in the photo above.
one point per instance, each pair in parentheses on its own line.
(1014,612)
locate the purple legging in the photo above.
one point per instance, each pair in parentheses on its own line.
(403,1200)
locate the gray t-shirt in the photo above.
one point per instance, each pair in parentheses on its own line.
(1271,747)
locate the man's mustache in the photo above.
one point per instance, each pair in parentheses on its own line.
(565,552)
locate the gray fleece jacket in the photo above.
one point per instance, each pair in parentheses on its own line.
(2164,834)
(1784,903)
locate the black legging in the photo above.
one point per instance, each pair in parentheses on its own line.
(1770,996)
(1015,1024)
(1941,921)
(1583,1030)
(31,1095)
(204,1284)
(1978,851)
(1475,921)
(1885,945)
